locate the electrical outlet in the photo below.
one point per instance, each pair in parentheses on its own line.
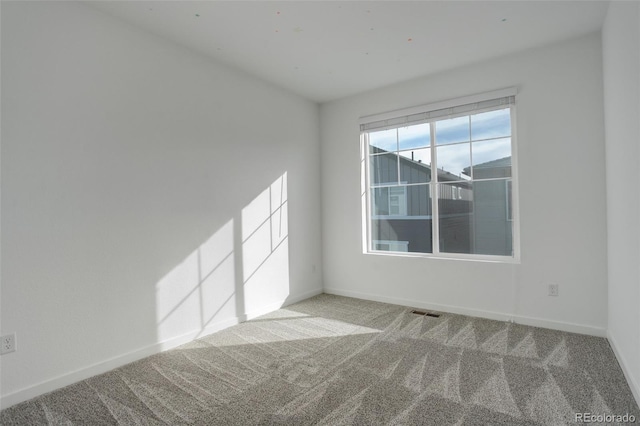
(553,289)
(7,343)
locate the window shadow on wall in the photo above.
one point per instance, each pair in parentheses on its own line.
(240,271)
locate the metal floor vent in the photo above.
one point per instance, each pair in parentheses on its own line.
(427,314)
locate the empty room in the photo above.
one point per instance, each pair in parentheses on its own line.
(319,212)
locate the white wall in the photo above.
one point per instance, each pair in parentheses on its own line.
(621,60)
(146,193)
(562,196)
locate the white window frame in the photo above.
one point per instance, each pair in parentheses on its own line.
(395,119)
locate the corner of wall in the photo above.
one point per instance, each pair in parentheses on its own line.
(625,366)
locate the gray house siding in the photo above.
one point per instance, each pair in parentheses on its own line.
(492,229)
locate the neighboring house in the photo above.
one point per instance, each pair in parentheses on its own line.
(492,217)
(402,214)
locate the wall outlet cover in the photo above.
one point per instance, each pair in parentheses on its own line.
(7,343)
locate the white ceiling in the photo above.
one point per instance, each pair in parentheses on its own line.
(325,50)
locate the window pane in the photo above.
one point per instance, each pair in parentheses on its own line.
(418,136)
(401,219)
(384,169)
(492,159)
(474,218)
(385,140)
(454,162)
(492,225)
(415,166)
(455,209)
(492,124)
(380,201)
(452,130)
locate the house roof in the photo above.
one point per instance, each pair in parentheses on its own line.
(443,175)
(501,162)
(493,164)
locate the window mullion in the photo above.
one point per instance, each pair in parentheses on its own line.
(473,200)
(398,155)
(367,188)
(435,229)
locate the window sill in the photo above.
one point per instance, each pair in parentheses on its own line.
(454,257)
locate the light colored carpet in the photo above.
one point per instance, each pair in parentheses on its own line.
(333,360)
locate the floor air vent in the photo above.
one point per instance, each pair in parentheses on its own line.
(427,314)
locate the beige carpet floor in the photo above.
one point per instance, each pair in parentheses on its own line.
(333,360)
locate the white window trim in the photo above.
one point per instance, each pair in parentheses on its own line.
(367,241)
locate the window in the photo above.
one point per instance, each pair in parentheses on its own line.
(439,180)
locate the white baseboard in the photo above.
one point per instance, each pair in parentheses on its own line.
(277,305)
(302,296)
(633,384)
(499,316)
(561,325)
(118,361)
